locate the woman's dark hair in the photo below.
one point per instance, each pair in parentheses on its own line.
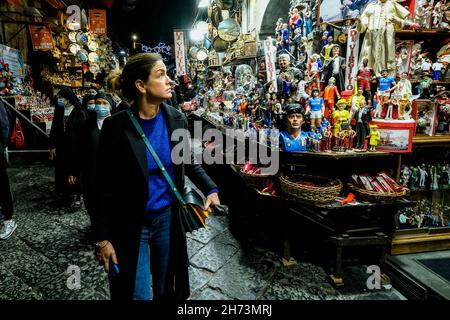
(86,98)
(138,67)
(68,94)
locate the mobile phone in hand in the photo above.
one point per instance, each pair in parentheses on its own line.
(113,268)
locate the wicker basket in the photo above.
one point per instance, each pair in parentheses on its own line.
(258,181)
(311,188)
(377,196)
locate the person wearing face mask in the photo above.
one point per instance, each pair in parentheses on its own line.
(67,121)
(138,229)
(99,107)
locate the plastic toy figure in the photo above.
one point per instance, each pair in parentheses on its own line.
(423,175)
(294,139)
(285,37)
(375,137)
(364,77)
(379,20)
(325,53)
(414,177)
(406,175)
(437,69)
(356,101)
(424,86)
(316,108)
(286,86)
(278,28)
(403,87)
(329,95)
(301,91)
(385,88)
(405,108)
(340,116)
(336,68)
(295,74)
(308,21)
(362,117)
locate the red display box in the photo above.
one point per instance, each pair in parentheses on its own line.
(396,135)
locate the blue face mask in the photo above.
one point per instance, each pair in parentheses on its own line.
(61,102)
(102,111)
(90,107)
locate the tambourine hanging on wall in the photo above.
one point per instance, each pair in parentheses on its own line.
(229,30)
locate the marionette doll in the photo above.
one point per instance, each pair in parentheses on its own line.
(375,137)
(329,95)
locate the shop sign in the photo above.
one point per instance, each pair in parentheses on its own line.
(270,53)
(180,53)
(352,59)
(14,59)
(41,38)
(97,21)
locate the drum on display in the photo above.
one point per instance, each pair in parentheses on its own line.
(229,30)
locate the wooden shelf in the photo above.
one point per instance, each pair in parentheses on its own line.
(420,240)
(428,32)
(428,140)
(238,60)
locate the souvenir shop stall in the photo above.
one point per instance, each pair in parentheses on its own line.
(56,46)
(353,109)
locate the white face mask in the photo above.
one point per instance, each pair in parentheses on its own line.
(68,110)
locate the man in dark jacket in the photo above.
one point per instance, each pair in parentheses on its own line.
(6,201)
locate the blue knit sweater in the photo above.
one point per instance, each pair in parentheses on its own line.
(157,132)
(160,196)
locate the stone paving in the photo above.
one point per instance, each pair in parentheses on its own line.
(35,262)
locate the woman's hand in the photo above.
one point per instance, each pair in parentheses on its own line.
(72,180)
(104,253)
(213,199)
(52,154)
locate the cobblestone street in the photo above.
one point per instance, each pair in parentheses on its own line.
(35,260)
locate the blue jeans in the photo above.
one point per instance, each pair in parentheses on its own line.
(153,258)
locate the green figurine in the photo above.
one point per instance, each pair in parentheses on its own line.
(414,177)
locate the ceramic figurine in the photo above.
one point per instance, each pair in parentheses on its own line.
(364,78)
(316,108)
(340,116)
(423,175)
(375,137)
(362,119)
(329,95)
(437,69)
(336,68)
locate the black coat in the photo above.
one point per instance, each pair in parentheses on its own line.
(5,127)
(123,180)
(65,138)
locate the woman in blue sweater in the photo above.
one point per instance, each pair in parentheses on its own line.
(139,238)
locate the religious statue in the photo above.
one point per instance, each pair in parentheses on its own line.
(379,21)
